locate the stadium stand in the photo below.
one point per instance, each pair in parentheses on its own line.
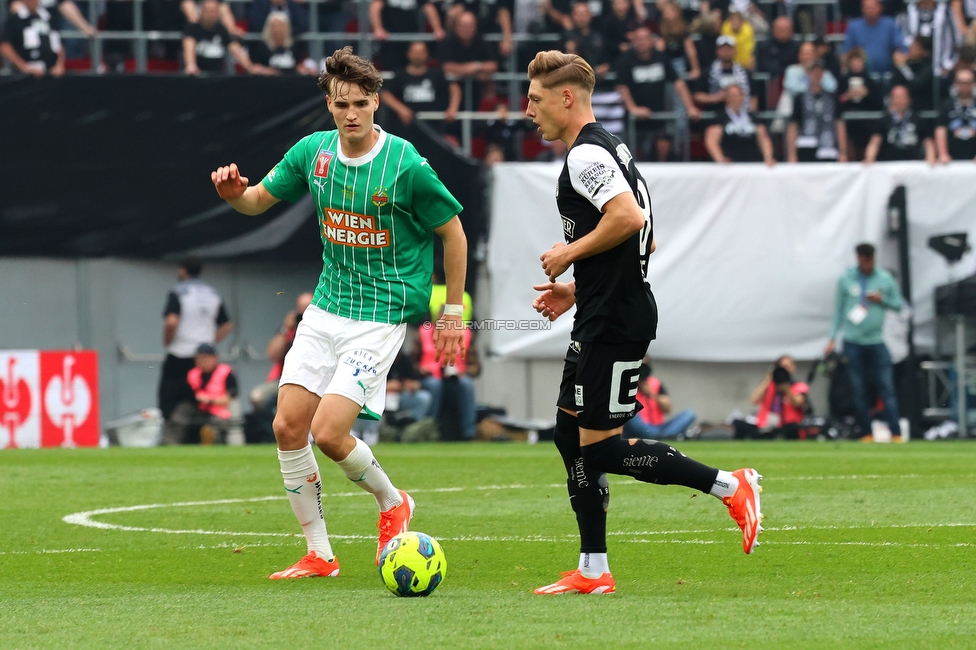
(149,41)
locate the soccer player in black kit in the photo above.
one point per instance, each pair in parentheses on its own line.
(606,217)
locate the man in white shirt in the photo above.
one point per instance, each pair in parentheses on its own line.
(194,314)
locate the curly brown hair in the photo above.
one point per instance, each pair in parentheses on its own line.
(345,67)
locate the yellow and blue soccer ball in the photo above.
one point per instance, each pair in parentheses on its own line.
(412,564)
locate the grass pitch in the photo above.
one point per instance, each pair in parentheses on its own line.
(867,546)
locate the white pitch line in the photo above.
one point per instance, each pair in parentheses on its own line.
(44,551)
(349,539)
(86,518)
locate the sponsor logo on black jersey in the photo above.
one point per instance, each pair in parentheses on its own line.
(569,227)
(595,176)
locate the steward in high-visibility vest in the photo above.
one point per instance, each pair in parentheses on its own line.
(213,383)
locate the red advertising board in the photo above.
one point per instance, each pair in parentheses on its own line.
(49,399)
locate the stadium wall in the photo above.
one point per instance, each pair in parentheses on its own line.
(115,306)
(110,304)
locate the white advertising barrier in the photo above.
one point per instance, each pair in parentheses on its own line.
(748,257)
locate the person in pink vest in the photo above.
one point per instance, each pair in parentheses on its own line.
(214,386)
(781,402)
(434,376)
(650,422)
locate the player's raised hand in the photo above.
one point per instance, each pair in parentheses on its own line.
(448,340)
(555,300)
(229,182)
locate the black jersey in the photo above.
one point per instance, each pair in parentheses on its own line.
(614,303)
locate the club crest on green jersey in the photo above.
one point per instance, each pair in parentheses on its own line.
(380,197)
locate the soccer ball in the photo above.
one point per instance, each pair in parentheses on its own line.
(412,564)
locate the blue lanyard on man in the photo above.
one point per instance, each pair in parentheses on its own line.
(864,288)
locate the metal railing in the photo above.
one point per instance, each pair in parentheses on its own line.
(511,78)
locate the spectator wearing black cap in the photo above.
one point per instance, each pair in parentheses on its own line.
(737,135)
(723,73)
(209,413)
(900,134)
(194,315)
(955,133)
(816,133)
(656,405)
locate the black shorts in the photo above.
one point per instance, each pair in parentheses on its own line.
(600,383)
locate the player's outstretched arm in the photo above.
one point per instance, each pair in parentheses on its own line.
(233,188)
(449,332)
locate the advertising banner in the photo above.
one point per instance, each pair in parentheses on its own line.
(48,399)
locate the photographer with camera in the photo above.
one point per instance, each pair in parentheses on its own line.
(782,404)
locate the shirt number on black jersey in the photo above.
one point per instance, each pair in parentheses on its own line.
(644,201)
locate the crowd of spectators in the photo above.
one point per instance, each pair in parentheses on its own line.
(664,63)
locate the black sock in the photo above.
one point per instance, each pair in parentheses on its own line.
(649,461)
(589,492)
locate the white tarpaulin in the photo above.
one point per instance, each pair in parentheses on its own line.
(748,257)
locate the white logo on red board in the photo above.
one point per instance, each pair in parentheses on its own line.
(322,164)
(49,399)
(68,400)
(19,400)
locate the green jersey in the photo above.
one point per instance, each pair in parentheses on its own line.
(376,217)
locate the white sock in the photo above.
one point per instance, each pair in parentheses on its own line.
(725,485)
(363,470)
(593,565)
(304,486)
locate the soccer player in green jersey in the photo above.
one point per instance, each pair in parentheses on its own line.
(378,204)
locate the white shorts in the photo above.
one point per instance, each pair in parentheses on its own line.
(333,355)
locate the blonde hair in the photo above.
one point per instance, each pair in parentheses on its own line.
(554,68)
(266,32)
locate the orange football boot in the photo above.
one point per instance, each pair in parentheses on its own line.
(310,566)
(394,521)
(574,582)
(744,507)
